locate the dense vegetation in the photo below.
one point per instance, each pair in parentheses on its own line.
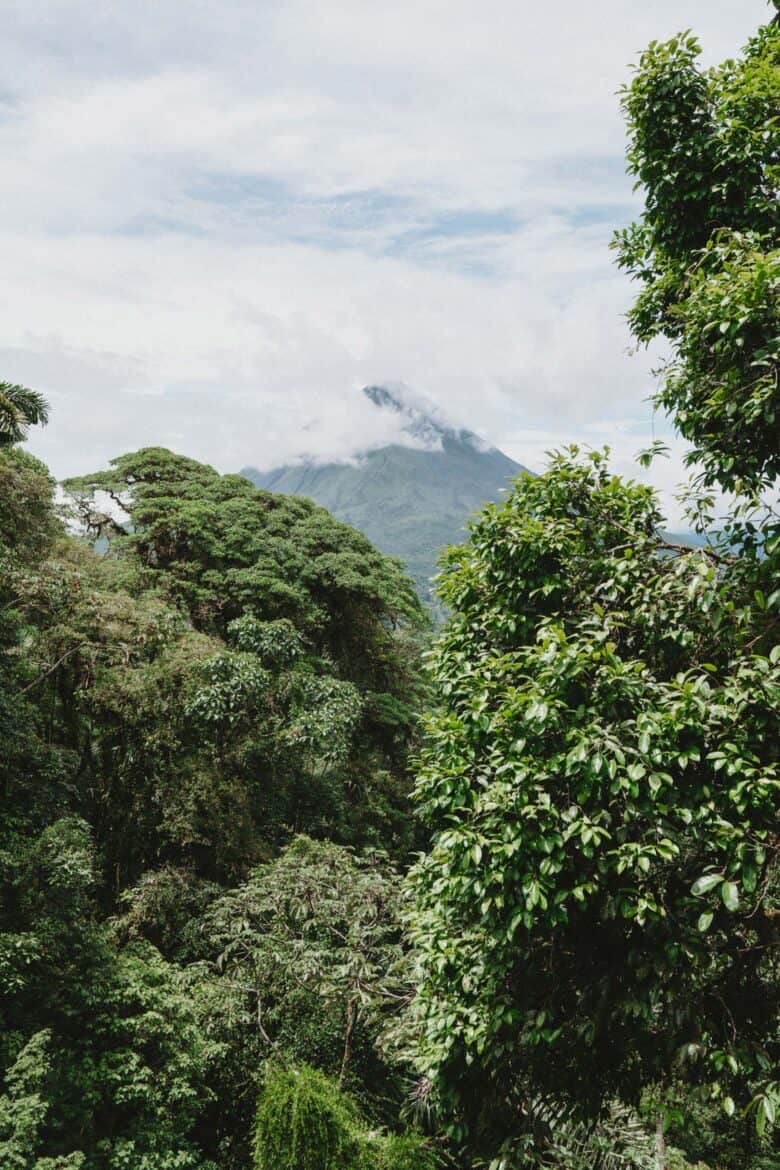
(207,958)
(235,669)
(597,916)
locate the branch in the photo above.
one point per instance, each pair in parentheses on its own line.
(51,669)
(759,637)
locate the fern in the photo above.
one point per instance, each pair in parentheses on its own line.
(618,1141)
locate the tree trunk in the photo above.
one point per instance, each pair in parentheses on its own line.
(660,1143)
(351,1018)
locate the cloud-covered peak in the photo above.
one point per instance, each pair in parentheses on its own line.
(422,419)
(388,397)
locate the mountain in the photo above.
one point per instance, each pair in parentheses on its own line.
(410,500)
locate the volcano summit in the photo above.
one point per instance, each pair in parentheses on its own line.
(411,498)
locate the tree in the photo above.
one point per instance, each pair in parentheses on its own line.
(598,910)
(312,941)
(102,1056)
(20,409)
(232,668)
(225,548)
(304,691)
(601,787)
(304,1122)
(704,148)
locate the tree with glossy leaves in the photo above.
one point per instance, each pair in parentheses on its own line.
(599,901)
(598,911)
(704,147)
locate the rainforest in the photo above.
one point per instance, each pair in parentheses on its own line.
(299,874)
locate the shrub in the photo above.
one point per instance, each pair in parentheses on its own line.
(305,1123)
(408,1151)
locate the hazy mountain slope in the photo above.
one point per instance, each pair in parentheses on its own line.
(411,501)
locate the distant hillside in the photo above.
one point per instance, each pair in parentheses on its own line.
(410,501)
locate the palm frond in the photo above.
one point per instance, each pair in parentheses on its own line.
(20,408)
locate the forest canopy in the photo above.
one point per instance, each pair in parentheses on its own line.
(231,670)
(291,880)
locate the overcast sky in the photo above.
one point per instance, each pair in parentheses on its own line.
(220,219)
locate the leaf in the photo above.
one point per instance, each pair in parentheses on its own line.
(730,895)
(707,882)
(705,921)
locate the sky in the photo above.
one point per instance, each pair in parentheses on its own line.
(221,219)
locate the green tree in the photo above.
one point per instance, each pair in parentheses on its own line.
(225,548)
(601,786)
(20,409)
(23,1111)
(704,147)
(304,1122)
(168,718)
(599,903)
(289,685)
(102,1056)
(312,942)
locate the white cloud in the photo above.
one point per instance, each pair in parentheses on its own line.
(221,219)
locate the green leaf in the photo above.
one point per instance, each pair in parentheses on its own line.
(765,1112)
(730,895)
(707,882)
(705,921)
(749,877)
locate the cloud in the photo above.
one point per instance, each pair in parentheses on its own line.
(220,220)
(281,336)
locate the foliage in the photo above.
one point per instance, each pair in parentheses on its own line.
(405,1151)
(304,1122)
(92,1035)
(27,520)
(601,786)
(617,1141)
(700,1133)
(20,409)
(312,941)
(289,705)
(599,904)
(704,148)
(225,549)
(23,1111)
(154,752)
